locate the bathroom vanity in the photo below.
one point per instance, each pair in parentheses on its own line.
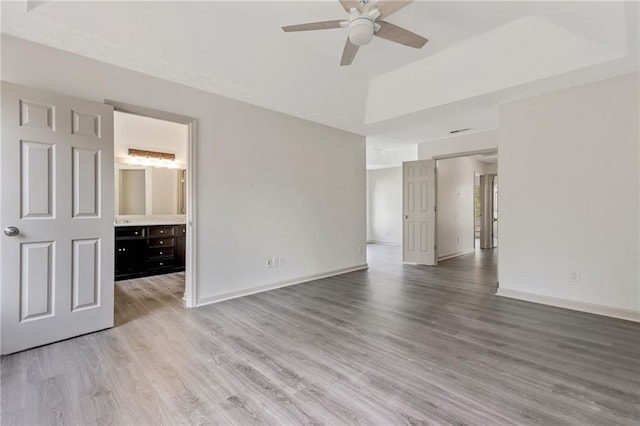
(149,249)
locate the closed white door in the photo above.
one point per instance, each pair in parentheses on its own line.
(56,250)
(419,202)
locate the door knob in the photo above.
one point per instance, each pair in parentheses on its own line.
(11,231)
(406,216)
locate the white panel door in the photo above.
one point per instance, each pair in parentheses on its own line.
(419,202)
(56,249)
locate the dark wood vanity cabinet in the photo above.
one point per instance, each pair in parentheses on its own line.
(181,238)
(149,250)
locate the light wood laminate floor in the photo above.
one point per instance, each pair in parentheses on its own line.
(396,344)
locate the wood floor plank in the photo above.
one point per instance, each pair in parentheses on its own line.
(395,344)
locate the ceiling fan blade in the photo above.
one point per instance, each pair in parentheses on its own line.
(388,7)
(348,53)
(400,35)
(323,25)
(348,4)
(32,4)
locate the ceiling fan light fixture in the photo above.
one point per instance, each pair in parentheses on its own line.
(361,31)
(366,19)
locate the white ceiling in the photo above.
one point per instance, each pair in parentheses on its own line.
(480,53)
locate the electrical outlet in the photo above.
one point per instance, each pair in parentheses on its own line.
(574,277)
(274,262)
(281,260)
(269,263)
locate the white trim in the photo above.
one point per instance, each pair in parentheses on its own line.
(457,254)
(466,153)
(388,243)
(609,311)
(207,300)
(191,268)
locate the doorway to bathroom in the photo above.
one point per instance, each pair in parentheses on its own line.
(154,202)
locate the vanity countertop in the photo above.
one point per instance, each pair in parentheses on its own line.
(149,221)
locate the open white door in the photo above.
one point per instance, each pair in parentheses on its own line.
(56,249)
(419,202)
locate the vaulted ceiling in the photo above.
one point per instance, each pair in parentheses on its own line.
(479,54)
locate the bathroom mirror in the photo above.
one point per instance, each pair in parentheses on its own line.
(146,190)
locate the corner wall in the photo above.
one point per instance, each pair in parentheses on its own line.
(569,197)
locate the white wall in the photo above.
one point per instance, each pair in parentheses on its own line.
(268,184)
(579,210)
(455,225)
(384,202)
(491,168)
(147,133)
(466,142)
(380,156)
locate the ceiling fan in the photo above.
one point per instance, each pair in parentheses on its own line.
(365,21)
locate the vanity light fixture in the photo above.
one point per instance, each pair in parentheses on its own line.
(141,157)
(151,154)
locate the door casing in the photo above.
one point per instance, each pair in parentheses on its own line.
(190,288)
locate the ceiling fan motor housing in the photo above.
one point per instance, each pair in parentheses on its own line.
(361,30)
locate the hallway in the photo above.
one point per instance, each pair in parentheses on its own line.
(475,272)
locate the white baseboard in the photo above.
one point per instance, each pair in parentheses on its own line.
(207,300)
(389,243)
(609,311)
(452,255)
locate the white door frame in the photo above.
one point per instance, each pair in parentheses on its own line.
(486,197)
(457,155)
(495,232)
(190,288)
(465,154)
